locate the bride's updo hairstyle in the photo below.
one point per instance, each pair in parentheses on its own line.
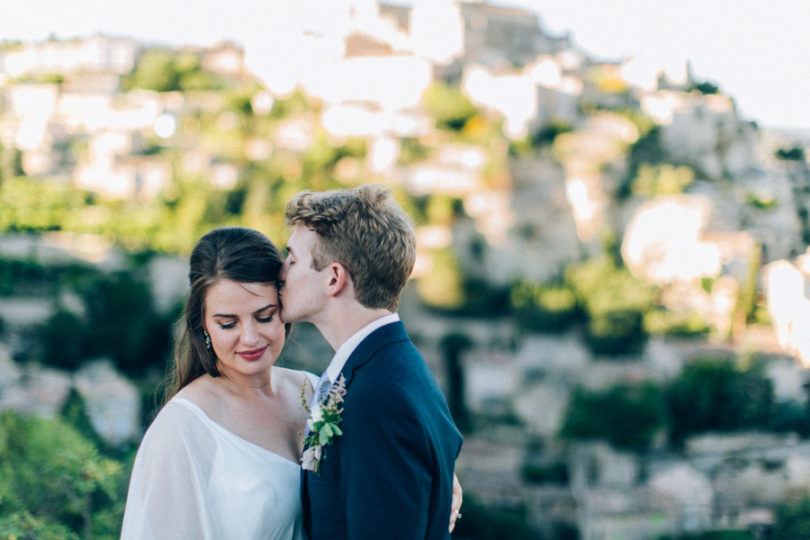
(235,253)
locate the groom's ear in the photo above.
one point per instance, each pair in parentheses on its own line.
(339,279)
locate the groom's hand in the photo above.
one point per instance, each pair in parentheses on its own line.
(455,506)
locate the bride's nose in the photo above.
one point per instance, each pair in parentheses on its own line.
(249,334)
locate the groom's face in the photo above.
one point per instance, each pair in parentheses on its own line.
(303,291)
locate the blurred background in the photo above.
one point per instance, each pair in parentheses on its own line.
(612,209)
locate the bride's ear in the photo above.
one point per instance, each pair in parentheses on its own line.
(339,279)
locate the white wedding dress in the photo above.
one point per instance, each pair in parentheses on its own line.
(194,479)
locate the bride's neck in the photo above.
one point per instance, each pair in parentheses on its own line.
(246,386)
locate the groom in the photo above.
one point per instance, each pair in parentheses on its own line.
(387,471)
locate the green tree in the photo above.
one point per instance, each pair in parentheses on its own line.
(648,149)
(22,525)
(712,394)
(491,523)
(792,520)
(448,105)
(795,153)
(705,87)
(714,535)
(543,308)
(662,179)
(37,205)
(164,70)
(54,482)
(62,338)
(124,324)
(614,303)
(155,70)
(443,286)
(626,415)
(10,162)
(662,321)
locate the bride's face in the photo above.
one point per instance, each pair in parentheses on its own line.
(245,328)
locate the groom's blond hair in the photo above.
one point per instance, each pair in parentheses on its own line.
(366,231)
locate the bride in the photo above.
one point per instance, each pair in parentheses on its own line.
(221,458)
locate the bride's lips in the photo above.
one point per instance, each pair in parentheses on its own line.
(254,354)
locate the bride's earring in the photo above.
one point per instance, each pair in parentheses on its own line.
(207,340)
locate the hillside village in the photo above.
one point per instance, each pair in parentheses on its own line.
(562,155)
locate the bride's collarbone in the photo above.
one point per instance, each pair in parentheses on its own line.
(269,421)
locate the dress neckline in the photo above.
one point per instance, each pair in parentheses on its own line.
(204,416)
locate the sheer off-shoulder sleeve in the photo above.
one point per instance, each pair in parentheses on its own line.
(170,479)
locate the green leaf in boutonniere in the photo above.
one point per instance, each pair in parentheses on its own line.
(323,423)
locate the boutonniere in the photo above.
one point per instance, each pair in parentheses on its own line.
(323,423)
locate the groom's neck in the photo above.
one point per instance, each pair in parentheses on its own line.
(346,320)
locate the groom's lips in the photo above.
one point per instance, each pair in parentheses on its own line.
(254,354)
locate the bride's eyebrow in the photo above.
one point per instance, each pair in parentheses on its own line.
(265,308)
(231,316)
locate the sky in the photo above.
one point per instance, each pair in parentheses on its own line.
(757,52)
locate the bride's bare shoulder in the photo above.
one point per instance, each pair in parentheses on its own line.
(296,377)
(201,391)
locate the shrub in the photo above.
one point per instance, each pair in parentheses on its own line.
(164,71)
(443,286)
(154,71)
(713,535)
(614,303)
(662,179)
(602,286)
(762,201)
(705,87)
(549,132)
(41,205)
(411,150)
(23,526)
(543,308)
(490,523)
(448,105)
(711,394)
(791,154)
(792,520)
(627,416)
(615,332)
(35,278)
(790,416)
(54,483)
(62,338)
(123,323)
(665,322)
(482,299)
(648,149)
(555,473)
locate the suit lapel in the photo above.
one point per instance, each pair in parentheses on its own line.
(390,333)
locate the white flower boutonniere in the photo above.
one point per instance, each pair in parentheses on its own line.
(323,423)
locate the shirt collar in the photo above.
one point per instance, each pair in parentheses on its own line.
(348,347)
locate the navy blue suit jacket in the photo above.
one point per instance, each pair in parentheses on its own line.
(390,475)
